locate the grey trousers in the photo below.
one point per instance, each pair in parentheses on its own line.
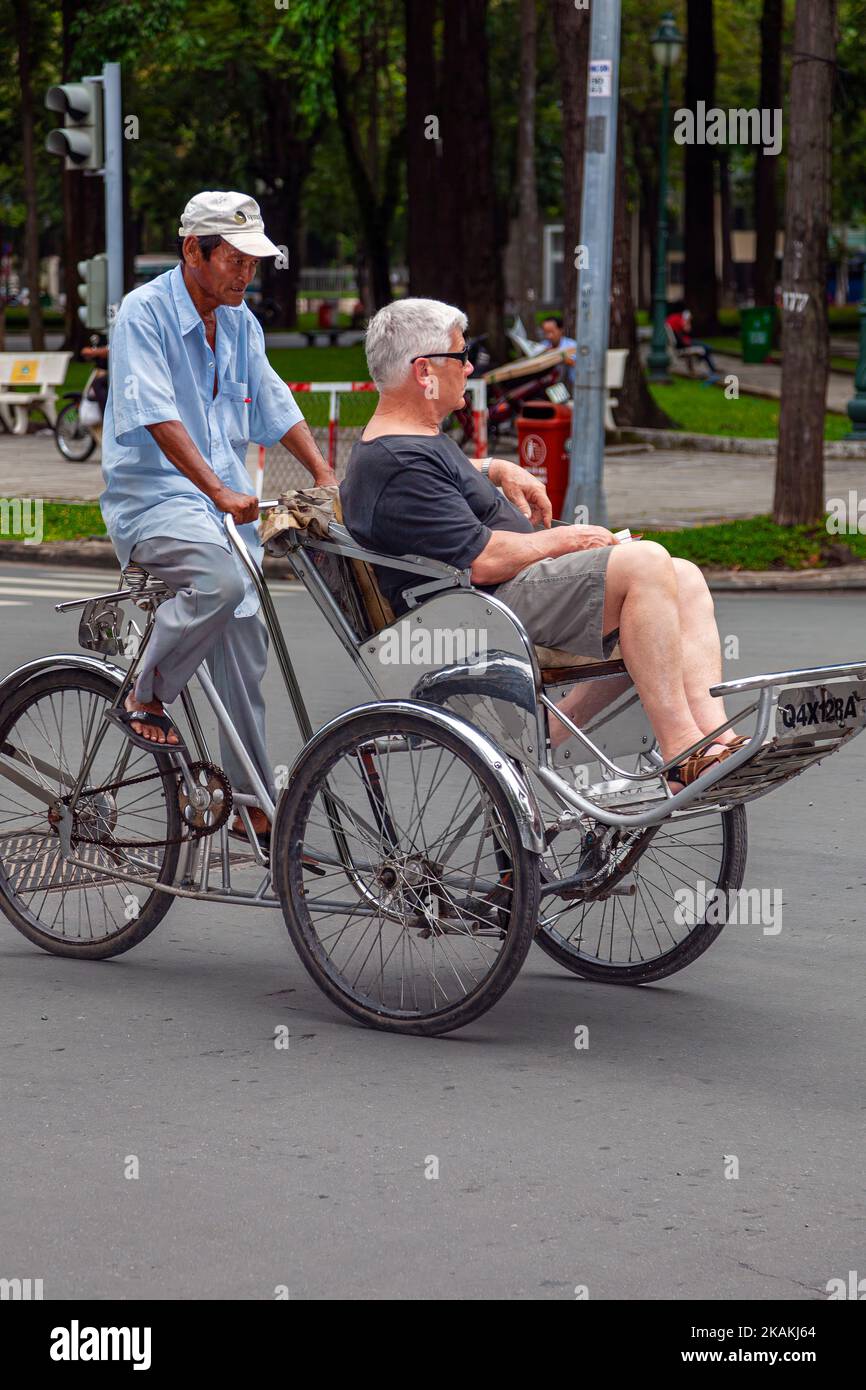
(197,625)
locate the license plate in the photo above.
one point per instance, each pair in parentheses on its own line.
(820,709)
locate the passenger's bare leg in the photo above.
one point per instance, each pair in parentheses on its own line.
(642,600)
(701,647)
(585,700)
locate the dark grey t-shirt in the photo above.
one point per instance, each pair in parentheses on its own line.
(416,494)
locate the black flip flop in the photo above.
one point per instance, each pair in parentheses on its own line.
(124,718)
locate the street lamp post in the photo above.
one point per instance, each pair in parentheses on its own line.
(666,45)
(857,403)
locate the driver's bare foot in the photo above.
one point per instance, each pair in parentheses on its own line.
(150,731)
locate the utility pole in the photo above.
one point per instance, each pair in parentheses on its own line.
(113,178)
(594,256)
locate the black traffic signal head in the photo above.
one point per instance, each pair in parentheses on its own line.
(80,140)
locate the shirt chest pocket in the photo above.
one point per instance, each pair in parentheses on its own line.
(234,411)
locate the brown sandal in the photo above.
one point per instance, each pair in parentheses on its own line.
(692,767)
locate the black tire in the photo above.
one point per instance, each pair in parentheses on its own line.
(14,714)
(505,910)
(74,440)
(700,936)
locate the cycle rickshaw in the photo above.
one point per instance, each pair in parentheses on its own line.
(424,839)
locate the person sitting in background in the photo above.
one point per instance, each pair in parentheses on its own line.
(555,334)
(680,324)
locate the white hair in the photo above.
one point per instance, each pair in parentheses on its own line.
(405,329)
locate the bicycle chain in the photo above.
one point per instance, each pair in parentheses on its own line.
(193,832)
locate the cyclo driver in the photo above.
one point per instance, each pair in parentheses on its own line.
(190,387)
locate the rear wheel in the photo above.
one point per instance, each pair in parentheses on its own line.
(662,901)
(405,886)
(46,727)
(74,440)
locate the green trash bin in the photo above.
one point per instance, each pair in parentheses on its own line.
(756,333)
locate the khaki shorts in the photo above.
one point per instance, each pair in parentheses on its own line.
(560,602)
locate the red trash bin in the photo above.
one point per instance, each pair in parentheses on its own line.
(543,432)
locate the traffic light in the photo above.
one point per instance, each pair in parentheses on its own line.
(80,140)
(93,292)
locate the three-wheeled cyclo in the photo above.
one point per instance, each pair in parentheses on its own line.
(423,840)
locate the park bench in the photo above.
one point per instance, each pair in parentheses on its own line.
(689,355)
(332,335)
(29,379)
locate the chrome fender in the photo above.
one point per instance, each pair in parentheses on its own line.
(60,661)
(519,795)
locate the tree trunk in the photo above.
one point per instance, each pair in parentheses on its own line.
(285,152)
(423,152)
(636,404)
(376,212)
(468,152)
(799,495)
(24,33)
(766,165)
(644,148)
(701,289)
(571,33)
(528,259)
(729,274)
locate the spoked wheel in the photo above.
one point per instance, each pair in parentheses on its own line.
(661,901)
(74,440)
(46,727)
(404,883)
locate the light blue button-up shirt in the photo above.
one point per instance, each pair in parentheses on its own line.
(163,369)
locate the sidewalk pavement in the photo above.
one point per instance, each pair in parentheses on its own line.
(646,487)
(765,379)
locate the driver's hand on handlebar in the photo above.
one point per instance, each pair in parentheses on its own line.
(239,505)
(521,487)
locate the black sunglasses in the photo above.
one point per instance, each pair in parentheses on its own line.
(458,356)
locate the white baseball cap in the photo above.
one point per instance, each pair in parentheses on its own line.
(234,216)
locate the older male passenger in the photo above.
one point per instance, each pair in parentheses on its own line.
(409,489)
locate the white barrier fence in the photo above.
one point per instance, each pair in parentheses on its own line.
(337,412)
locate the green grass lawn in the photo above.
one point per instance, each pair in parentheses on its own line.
(754,544)
(66,521)
(320,364)
(759,544)
(701,409)
(733,347)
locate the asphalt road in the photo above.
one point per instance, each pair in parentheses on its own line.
(557,1167)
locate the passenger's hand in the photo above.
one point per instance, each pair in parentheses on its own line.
(239,505)
(521,487)
(591,537)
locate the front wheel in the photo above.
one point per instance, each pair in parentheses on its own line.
(74,440)
(48,725)
(404,883)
